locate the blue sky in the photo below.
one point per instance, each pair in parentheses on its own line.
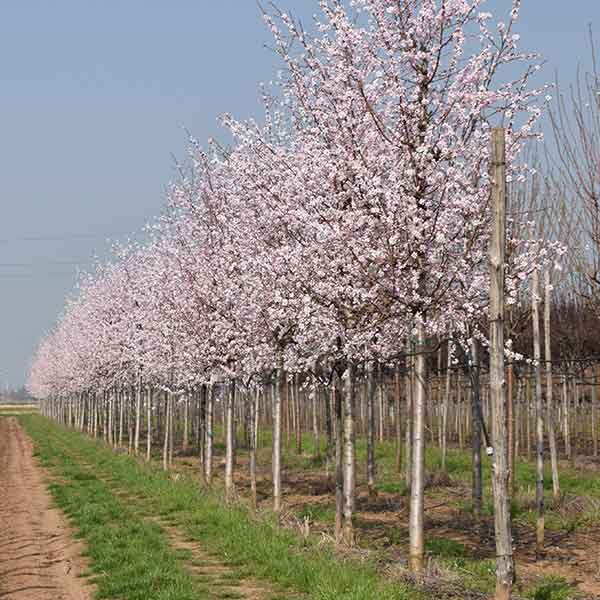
(94,99)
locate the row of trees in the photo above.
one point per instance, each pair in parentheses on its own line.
(349,232)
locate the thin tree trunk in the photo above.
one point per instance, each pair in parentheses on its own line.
(445,406)
(167,431)
(138,417)
(298,418)
(417,488)
(549,395)
(314,396)
(408,432)
(186,427)
(349,455)
(121,396)
(171,425)
(339,462)
(476,412)
(379,393)
(371,390)
(149,398)
(208,436)
(329,450)
(277,402)
(594,400)
(230,441)
(111,396)
(397,420)
(252,446)
(511,427)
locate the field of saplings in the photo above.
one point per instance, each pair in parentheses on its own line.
(358,354)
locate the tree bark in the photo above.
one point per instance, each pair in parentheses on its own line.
(349,455)
(208,435)
(298,417)
(371,390)
(549,387)
(186,426)
(445,406)
(167,431)
(594,401)
(339,469)
(252,446)
(314,396)
(408,432)
(417,488)
(397,419)
(138,417)
(277,402)
(477,413)
(230,441)
(149,398)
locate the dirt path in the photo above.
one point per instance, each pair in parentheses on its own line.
(39,560)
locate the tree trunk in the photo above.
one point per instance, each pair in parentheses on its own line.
(121,396)
(397,420)
(371,390)
(329,450)
(230,441)
(109,427)
(408,432)
(511,427)
(314,396)
(167,431)
(549,387)
(594,400)
(208,435)
(149,398)
(138,417)
(339,462)
(417,500)
(349,455)
(186,427)
(445,406)
(277,402)
(298,417)
(171,425)
(252,446)
(477,415)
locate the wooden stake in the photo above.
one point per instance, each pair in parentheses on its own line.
(505,569)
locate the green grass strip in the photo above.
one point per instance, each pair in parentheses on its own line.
(257,548)
(130,558)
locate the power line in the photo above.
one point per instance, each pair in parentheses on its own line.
(47,262)
(36,275)
(63,237)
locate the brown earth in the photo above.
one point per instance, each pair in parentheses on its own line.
(39,559)
(381,524)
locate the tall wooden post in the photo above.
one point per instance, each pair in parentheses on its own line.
(505,569)
(539,414)
(476,412)
(510,407)
(549,386)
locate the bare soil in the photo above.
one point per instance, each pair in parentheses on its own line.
(382,524)
(39,559)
